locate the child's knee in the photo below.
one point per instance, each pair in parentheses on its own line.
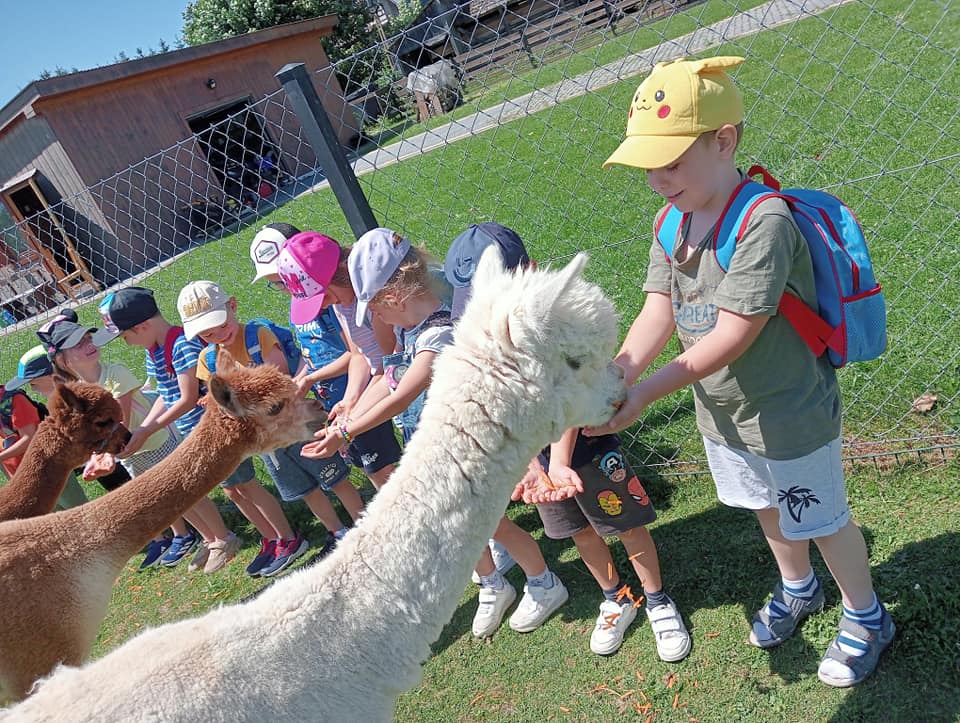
(636,537)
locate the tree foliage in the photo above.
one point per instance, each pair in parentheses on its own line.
(207,20)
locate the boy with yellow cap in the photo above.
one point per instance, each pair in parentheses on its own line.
(767,408)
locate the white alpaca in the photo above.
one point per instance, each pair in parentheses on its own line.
(340,641)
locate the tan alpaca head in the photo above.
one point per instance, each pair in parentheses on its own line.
(263,402)
(552,334)
(88,415)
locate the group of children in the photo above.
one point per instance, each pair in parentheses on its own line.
(371,319)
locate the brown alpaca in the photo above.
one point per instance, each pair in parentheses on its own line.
(84,418)
(57,571)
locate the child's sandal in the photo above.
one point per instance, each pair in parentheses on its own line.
(860,666)
(779,629)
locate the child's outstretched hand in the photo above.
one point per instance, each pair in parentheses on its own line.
(337,410)
(537,486)
(329,441)
(136,441)
(98,465)
(303,385)
(628,413)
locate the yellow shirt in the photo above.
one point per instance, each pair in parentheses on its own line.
(238,349)
(118,380)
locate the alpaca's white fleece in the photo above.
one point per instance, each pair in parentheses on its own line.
(342,639)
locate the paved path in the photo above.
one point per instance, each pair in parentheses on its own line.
(762,17)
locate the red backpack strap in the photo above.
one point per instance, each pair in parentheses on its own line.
(768,179)
(172,335)
(815,332)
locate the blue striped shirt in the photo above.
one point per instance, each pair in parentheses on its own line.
(186,354)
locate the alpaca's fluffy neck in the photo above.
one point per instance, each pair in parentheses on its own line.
(127,518)
(405,566)
(42,474)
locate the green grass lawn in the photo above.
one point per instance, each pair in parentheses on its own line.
(882,134)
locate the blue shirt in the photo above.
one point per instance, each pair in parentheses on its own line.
(186,353)
(321,343)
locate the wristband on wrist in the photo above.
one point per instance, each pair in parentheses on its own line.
(347,437)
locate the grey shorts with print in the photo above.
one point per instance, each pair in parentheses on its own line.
(809,491)
(613,501)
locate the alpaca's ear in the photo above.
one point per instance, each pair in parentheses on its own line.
(489,268)
(226,362)
(222,393)
(571,272)
(71,398)
(540,305)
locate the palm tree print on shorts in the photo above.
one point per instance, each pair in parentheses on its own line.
(797,500)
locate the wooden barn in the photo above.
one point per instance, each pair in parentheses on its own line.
(60,137)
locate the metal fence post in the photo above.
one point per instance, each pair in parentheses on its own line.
(319,132)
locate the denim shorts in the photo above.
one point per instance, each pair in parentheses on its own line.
(374,449)
(809,491)
(298,476)
(243,473)
(613,501)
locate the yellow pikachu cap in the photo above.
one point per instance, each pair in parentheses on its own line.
(676,103)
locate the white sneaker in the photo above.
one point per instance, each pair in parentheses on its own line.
(493,605)
(612,623)
(537,604)
(673,640)
(501,560)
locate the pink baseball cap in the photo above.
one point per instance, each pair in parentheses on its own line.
(306,264)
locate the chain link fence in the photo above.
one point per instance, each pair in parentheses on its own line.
(505,111)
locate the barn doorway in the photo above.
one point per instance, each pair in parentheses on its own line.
(240,152)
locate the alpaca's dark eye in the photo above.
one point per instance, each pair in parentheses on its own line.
(276,409)
(572,363)
(104,423)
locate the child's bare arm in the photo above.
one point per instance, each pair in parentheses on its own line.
(161,415)
(648,334)
(338,366)
(359,375)
(274,355)
(732,335)
(17,449)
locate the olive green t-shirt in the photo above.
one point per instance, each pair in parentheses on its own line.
(777,400)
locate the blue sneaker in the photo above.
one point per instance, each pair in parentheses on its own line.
(268,551)
(286,552)
(179,549)
(154,553)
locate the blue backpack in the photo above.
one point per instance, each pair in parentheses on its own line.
(252,341)
(852,321)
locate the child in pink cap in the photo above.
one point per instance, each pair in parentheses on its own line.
(343,358)
(397,283)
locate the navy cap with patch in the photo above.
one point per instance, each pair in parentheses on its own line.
(467,248)
(122,310)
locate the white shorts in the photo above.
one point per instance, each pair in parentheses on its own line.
(809,491)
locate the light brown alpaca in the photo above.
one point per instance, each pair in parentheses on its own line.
(56,571)
(84,418)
